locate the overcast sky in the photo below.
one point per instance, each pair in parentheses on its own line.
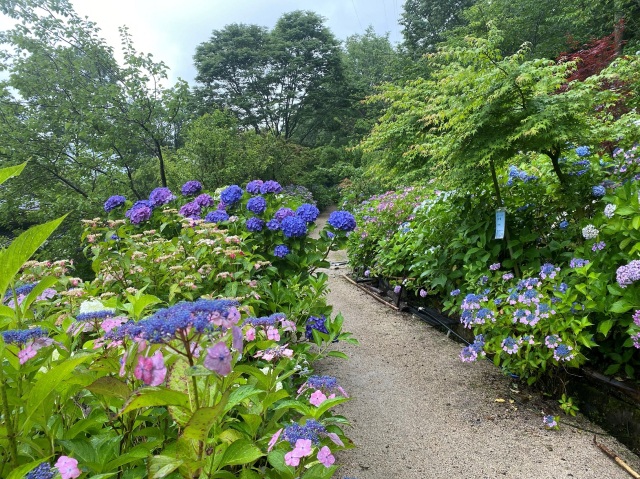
(171,30)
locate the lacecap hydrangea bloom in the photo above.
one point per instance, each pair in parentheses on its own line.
(231,194)
(191,188)
(161,196)
(342,220)
(113,202)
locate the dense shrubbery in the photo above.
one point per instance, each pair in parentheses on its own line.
(559,291)
(189,355)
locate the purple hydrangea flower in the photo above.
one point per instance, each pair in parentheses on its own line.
(578,262)
(257,205)
(294,227)
(253,187)
(282,213)
(22,336)
(342,220)
(191,210)
(254,224)
(636,317)
(307,212)
(599,246)
(510,345)
(204,200)
(161,196)
(397,289)
(548,270)
(270,186)
(216,216)
(494,267)
(550,422)
(281,251)
(552,341)
(629,273)
(113,202)
(231,194)
(455,292)
(139,212)
(191,188)
(423,293)
(218,359)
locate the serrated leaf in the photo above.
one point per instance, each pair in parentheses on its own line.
(45,385)
(162,466)
(110,387)
(240,452)
(620,306)
(240,394)
(155,396)
(201,423)
(11,171)
(605,326)
(319,471)
(21,249)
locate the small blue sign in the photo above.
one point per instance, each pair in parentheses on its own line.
(500,223)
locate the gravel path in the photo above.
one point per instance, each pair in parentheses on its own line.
(418,412)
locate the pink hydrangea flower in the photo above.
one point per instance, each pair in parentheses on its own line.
(274,439)
(301,449)
(151,371)
(273,334)
(250,334)
(325,456)
(317,398)
(68,467)
(218,359)
(27,353)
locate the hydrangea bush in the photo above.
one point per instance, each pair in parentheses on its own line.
(185,356)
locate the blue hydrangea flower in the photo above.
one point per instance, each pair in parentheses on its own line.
(231,194)
(455,292)
(253,187)
(42,471)
(161,196)
(92,315)
(281,251)
(254,224)
(113,202)
(293,227)
(270,186)
(21,336)
(342,220)
(307,212)
(598,191)
(312,430)
(317,323)
(23,290)
(257,205)
(216,216)
(563,353)
(564,224)
(191,188)
(583,151)
(273,225)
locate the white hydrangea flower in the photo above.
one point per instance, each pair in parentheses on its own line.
(609,210)
(590,232)
(91,306)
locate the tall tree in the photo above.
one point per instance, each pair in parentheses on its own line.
(273,80)
(426,22)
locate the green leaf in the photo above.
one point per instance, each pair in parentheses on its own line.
(22,248)
(11,171)
(620,306)
(605,326)
(240,394)
(45,385)
(110,387)
(241,452)
(276,459)
(201,423)
(162,466)
(337,354)
(155,396)
(141,451)
(22,470)
(328,404)
(319,471)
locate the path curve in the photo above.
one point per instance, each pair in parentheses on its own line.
(418,412)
